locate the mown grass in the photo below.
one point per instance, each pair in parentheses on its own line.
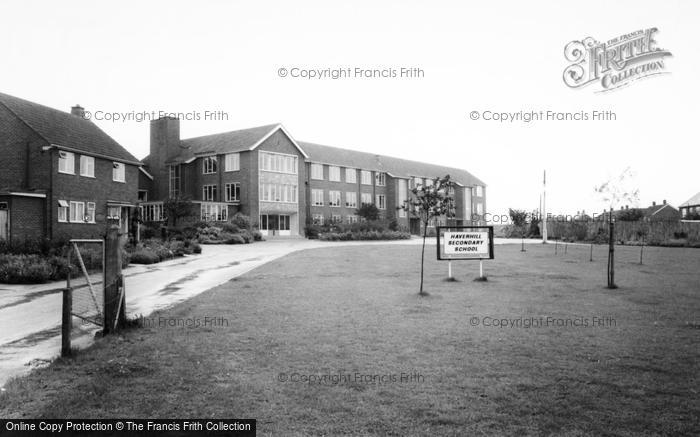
(355,310)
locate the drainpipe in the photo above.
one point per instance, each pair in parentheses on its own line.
(49,198)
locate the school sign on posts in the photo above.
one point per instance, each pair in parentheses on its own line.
(464,242)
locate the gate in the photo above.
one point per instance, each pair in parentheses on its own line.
(88,298)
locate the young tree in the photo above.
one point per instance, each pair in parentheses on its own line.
(368,211)
(430,202)
(176,208)
(614,192)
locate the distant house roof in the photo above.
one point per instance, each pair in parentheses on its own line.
(63,129)
(693,201)
(647,212)
(395,166)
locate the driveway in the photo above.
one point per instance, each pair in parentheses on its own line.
(30,316)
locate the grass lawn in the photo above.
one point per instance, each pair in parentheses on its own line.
(349,319)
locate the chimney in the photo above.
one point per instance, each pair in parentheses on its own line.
(664,201)
(165,146)
(653,203)
(78,111)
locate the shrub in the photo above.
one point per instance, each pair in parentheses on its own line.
(257,236)
(241,221)
(196,248)
(366,235)
(230,228)
(144,256)
(234,239)
(312,231)
(24,269)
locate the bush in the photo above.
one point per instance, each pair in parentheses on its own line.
(366,235)
(230,228)
(312,231)
(242,221)
(24,269)
(144,256)
(234,239)
(257,236)
(196,248)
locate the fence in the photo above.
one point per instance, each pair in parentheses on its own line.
(653,233)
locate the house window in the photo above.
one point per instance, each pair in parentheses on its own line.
(214,212)
(366,198)
(317,171)
(209,165)
(63,207)
(333,173)
(90,212)
(174,190)
(317,219)
(118,172)
(380,179)
(351,199)
(417,182)
(353,218)
(209,193)
(87,166)
(381,201)
(317,197)
(143,196)
(232,162)
(114,212)
(366,177)
(278,163)
(428,182)
(66,162)
(233,192)
(479,191)
(77,212)
(480,208)
(351,175)
(278,193)
(334,198)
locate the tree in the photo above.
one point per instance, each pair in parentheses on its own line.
(430,202)
(176,208)
(368,211)
(518,217)
(615,191)
(630,215)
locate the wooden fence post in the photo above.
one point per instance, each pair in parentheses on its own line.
(114,297)
(67,321)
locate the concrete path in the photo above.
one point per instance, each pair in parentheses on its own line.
(30,315)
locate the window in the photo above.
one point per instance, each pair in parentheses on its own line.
(209,193)
(233,192)
(417,182)
(317,197)
(380,179)
(333,173)
(428,182)
(278,193)
(480,208)
(278,163)
(403,197)
(63,207)
(87,166)
(77,212)
(353,218)
(366,198)
(152,212)
(118,172)
(351,175)
(90,215)
(174,190)
(336,219)
(114,212)
(214,212)
(479,191)
(143,196)
(317,219)
(66,162)
(381,201)
(351,199)
(232,162)
(209,165)
(317,171)
(334,198)
(366,177)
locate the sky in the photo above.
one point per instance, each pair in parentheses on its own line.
(507,56)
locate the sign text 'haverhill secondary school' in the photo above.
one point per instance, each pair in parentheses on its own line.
(465,243)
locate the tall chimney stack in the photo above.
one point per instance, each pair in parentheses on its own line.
(78,111)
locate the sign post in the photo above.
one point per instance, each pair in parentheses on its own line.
(465,242)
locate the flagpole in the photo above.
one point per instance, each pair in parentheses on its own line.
(544,207)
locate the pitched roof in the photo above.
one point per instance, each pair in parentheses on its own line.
(226,142)
(395,166)
(695,200)
(64,129)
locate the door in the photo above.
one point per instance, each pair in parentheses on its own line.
(414,225)
(4,221)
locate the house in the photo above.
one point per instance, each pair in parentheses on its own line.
(61,176)
(691,208)
(655,212)
(284,184)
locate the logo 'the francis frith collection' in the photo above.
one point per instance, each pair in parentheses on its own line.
(615,63)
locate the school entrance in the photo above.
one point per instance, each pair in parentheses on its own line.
(276,224)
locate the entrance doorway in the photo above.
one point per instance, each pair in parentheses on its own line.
(275,224)
(4,221)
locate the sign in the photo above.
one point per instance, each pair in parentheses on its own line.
(465,242)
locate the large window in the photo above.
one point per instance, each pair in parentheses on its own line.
(274,222)
(210,165)
(232,162)
(118,172)
(152,212)
(90,212)
(209,193)
(63,208)
(233,192)
(214,212)
(351,199)
(285,193)
(381,201)
(353,218)
(317,171)
(366,177)
(278,163)
(366,198)
(114,212)
(87,166)
(403,197)
(333,173)
(77,212)
(334,198)
(317,219)
(479,191)
(66,162)
(174,190)
(317,197)
(380,179)
(351,175)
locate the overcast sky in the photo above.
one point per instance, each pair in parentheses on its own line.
(501,56)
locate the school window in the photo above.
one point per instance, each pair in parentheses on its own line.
(90,212)
(233,192)
(232,162)
(417,182)
(353,219)
(428,182)
(317,219)
(209,165)
(118,172)
(381,201)
(87,166)
(77,212)
(317,197)
(351,175)
(336,219)
(333,173)
(174,190)
(214,212)
(278,163)
(209,193)
(403,197)
(480,208)
(63,207)
(380,179)
(317,171)
(479,191)
(334,198)
(366,198)
(366,177)
(66,162)
(278,193)
(351,199)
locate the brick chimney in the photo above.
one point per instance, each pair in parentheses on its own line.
(653,203)
(664,201)
(165,146)
(78,111)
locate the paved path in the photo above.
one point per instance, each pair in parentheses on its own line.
(30,316)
